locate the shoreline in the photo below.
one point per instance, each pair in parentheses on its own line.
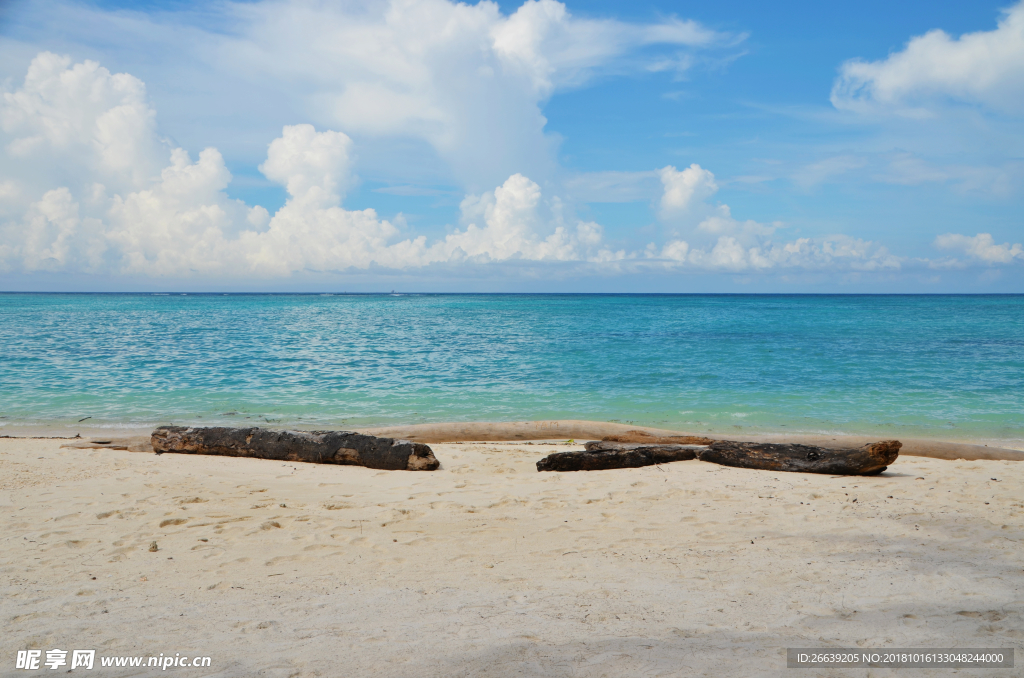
(515,430)
(561,430)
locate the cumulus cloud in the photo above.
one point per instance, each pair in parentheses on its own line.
(311,166)
(685,205)
(832,253)
(982,247)
(513,217)
(556,49)
(467,79)
(177,221)
(180,222)
(729,253)
(986,67)
(686,190)
(718,241)
(72,120)
(461,83)
(53,234)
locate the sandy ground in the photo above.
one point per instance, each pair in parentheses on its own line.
(488,568)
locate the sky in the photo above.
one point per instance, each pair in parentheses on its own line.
(431,146)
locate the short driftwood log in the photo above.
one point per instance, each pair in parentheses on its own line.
(605,455)
(864,461)
(318,447)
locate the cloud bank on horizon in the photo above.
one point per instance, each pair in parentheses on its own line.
(90,185)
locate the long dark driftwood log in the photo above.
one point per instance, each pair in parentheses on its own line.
(319,447)
(864,461)
(605,455)
(867,460)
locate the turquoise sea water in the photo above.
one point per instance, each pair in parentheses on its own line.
(949,367)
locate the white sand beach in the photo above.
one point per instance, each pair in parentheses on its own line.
(488,568)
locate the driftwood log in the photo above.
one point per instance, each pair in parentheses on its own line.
(867,460)
(319,447)
(605,455)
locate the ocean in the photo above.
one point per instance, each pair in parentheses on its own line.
(931,366)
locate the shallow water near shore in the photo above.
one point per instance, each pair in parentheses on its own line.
(945,367)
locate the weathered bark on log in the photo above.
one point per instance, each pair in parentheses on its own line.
(319,447)
(601,455)
(868,460)
(647,438)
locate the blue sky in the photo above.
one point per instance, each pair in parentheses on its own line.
(429,146)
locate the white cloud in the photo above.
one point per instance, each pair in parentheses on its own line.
(67,121)
(685,190)
(177,227)
(555,49)
(728,253)
(512,219)
(465,78)
(684,204)
(718,241)
(982,247)
(986,67)
(313,167)
(53,224)
(181,223)
(452,75)
(461,83)
(722,223)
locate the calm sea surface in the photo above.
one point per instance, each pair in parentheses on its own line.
(947,367)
